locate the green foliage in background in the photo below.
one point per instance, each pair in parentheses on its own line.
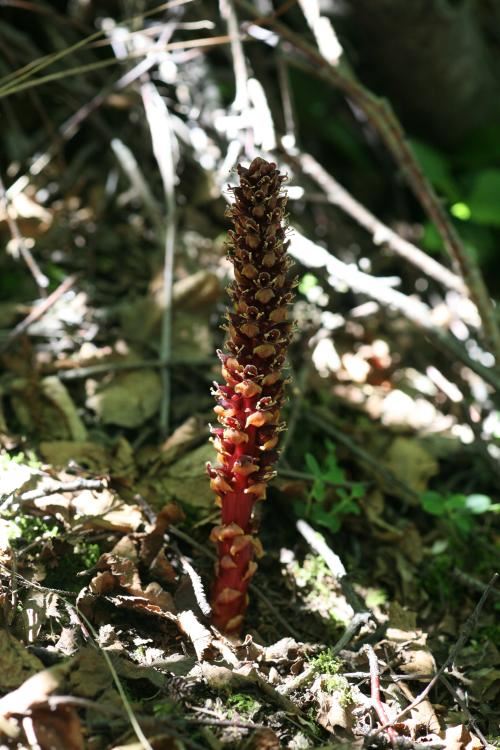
(321,508)
(469,182)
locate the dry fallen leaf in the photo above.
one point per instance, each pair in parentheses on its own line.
(411,462)
(460,738)
(16,663)
(128,400)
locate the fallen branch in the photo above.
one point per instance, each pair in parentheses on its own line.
(375,691)
(381,233)
(417,312)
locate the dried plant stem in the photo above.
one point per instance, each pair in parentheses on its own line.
(416,311)
(241,102)
(381,233)
(375,691)
(382,117)
(162,138)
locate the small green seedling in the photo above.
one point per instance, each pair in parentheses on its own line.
(320,509)
(244,705)
(456,509)
(328,666)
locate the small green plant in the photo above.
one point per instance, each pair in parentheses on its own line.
(88,553)
(242,704)
(27,528)
(320,508)
(326,663)
(328,666)
(164,708)
(456,509)
(28,459)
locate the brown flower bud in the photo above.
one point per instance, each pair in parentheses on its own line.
(264,295)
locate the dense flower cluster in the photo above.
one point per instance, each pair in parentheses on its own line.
(248,404)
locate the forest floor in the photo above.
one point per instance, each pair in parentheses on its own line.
(373,618)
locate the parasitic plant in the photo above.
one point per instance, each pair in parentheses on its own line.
(249,403)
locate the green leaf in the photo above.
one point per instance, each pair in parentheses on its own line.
(357,491)
(328,520)
(478,503)
(460,211)
(436,168)
(456,502)
(318,490)
(484,198)
(313,465)
(431,239)
(463,523)
(434,503)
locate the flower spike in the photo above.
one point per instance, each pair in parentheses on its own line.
(249,403)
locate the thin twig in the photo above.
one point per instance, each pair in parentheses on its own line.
(11,80)
(463,705)
(417,312)
(382,117)
(375,690)
(38,586)
(474,583)
(130,166)
(357,621)
(163,147)
(381,233)
(240,103)
(59,487)
(287,102)
(41,280)
(37,312)
(304,475)
(469,626)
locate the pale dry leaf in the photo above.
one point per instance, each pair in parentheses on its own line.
(92,456)
(38,607)
(460,738)
(17,664)
(411,462)
(57,728)
(57,393)
(128,400)
(104,509)
(181,438)
(35,690)
(201,638)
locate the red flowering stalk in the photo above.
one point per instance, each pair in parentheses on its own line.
(249,403)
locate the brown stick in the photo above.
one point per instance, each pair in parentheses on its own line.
(37,312)
(381,233)
(375,691)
